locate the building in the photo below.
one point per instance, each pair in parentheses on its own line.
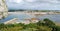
(3,9)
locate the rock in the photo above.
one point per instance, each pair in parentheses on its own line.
(3,9)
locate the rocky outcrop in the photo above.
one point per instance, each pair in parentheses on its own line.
(3,9)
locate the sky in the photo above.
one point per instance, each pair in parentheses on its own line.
(34,4)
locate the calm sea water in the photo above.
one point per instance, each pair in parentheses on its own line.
(55,18)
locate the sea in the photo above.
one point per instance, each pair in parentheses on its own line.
(54,17)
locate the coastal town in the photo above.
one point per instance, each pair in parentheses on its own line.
(14,18)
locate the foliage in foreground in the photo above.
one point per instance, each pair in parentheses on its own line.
(45,25)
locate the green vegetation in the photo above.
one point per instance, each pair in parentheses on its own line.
(11,10)
(15,10)
(45,25)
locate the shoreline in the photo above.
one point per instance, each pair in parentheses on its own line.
(34,13)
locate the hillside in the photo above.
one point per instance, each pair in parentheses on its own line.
(45,25)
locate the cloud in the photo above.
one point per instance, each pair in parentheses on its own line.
(30,0)
(14,1)
(34,4)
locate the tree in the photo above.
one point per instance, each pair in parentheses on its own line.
(2,25)
(48,22)
(40,23)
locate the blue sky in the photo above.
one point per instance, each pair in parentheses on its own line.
(34,4)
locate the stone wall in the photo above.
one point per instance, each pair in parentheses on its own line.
(3,9)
